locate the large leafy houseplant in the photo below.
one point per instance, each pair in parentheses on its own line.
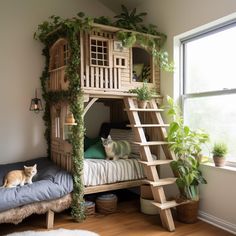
(187,146)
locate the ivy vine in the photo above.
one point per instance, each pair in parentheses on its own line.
(48,32)
(56,27)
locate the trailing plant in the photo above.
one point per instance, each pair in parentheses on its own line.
(219,150)
(143,92)
(48,32)
(187,146)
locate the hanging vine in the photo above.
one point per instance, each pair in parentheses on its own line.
(56,27)
(48,32)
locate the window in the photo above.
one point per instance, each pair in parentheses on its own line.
(57,124)
(209,85)
(66,54)
(142,65)
(99,52)
(120,62)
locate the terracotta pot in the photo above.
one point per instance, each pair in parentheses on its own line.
(142,104)
(219,161)
(187,213)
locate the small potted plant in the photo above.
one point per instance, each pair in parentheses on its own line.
(219,151)
(144,94)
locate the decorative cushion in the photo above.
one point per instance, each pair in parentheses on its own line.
(95,151)
(137,72)
(88,142)
(124,134)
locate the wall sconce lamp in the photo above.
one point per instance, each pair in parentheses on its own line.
(36,104)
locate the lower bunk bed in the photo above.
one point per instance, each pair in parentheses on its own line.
(52,186)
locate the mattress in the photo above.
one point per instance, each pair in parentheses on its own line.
(98,172)
(50,183)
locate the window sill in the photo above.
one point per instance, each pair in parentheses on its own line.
(212,165)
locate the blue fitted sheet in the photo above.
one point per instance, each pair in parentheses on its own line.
(50,183)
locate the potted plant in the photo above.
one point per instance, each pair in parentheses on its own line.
(187,146)
(219,151)
(144,94)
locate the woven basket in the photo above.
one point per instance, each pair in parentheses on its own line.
(147,207)
(106,204)
(187,213)
(89,208)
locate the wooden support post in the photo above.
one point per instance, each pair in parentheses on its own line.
(50,219)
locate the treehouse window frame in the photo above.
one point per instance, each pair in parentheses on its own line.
(99,52)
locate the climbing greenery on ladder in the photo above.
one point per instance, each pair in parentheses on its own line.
(56,27)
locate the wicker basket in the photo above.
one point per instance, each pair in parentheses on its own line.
(187,213)
(106,204)
(89,208)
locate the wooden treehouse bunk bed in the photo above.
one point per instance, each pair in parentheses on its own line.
(106,71)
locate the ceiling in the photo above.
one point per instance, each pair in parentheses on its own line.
(115,5)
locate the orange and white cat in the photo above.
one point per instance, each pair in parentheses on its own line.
(20,177)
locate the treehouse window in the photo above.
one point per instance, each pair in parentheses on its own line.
(120,62)
(66,53)
(99,52)
(142,66)
(57,58)
(57,124)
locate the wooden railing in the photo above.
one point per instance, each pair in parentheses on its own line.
(101,78)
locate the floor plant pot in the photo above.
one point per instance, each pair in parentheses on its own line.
(219,161)
(188,212)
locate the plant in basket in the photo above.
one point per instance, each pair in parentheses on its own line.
(187,146)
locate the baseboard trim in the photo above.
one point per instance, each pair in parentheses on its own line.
(217,222)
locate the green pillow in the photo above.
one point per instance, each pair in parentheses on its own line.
(88,142)
(96,151)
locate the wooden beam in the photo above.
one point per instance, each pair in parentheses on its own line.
(92,101)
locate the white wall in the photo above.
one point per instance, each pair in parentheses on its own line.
(175,17)
(21,64)
(93,119)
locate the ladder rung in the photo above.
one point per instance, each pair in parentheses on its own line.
(144,109)
(152,143)
(156,162)
(166,205)
(148,125)
(161,182)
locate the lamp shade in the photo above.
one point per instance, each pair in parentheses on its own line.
(36,104)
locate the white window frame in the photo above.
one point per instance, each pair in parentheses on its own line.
(181,43)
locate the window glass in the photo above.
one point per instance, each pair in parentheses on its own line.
(217,116)
(209,86)
(210,62)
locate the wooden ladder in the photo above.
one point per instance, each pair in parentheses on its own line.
(150,165)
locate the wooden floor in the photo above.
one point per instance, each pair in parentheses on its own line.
(127,221)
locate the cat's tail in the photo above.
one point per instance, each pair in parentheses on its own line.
(5,184)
